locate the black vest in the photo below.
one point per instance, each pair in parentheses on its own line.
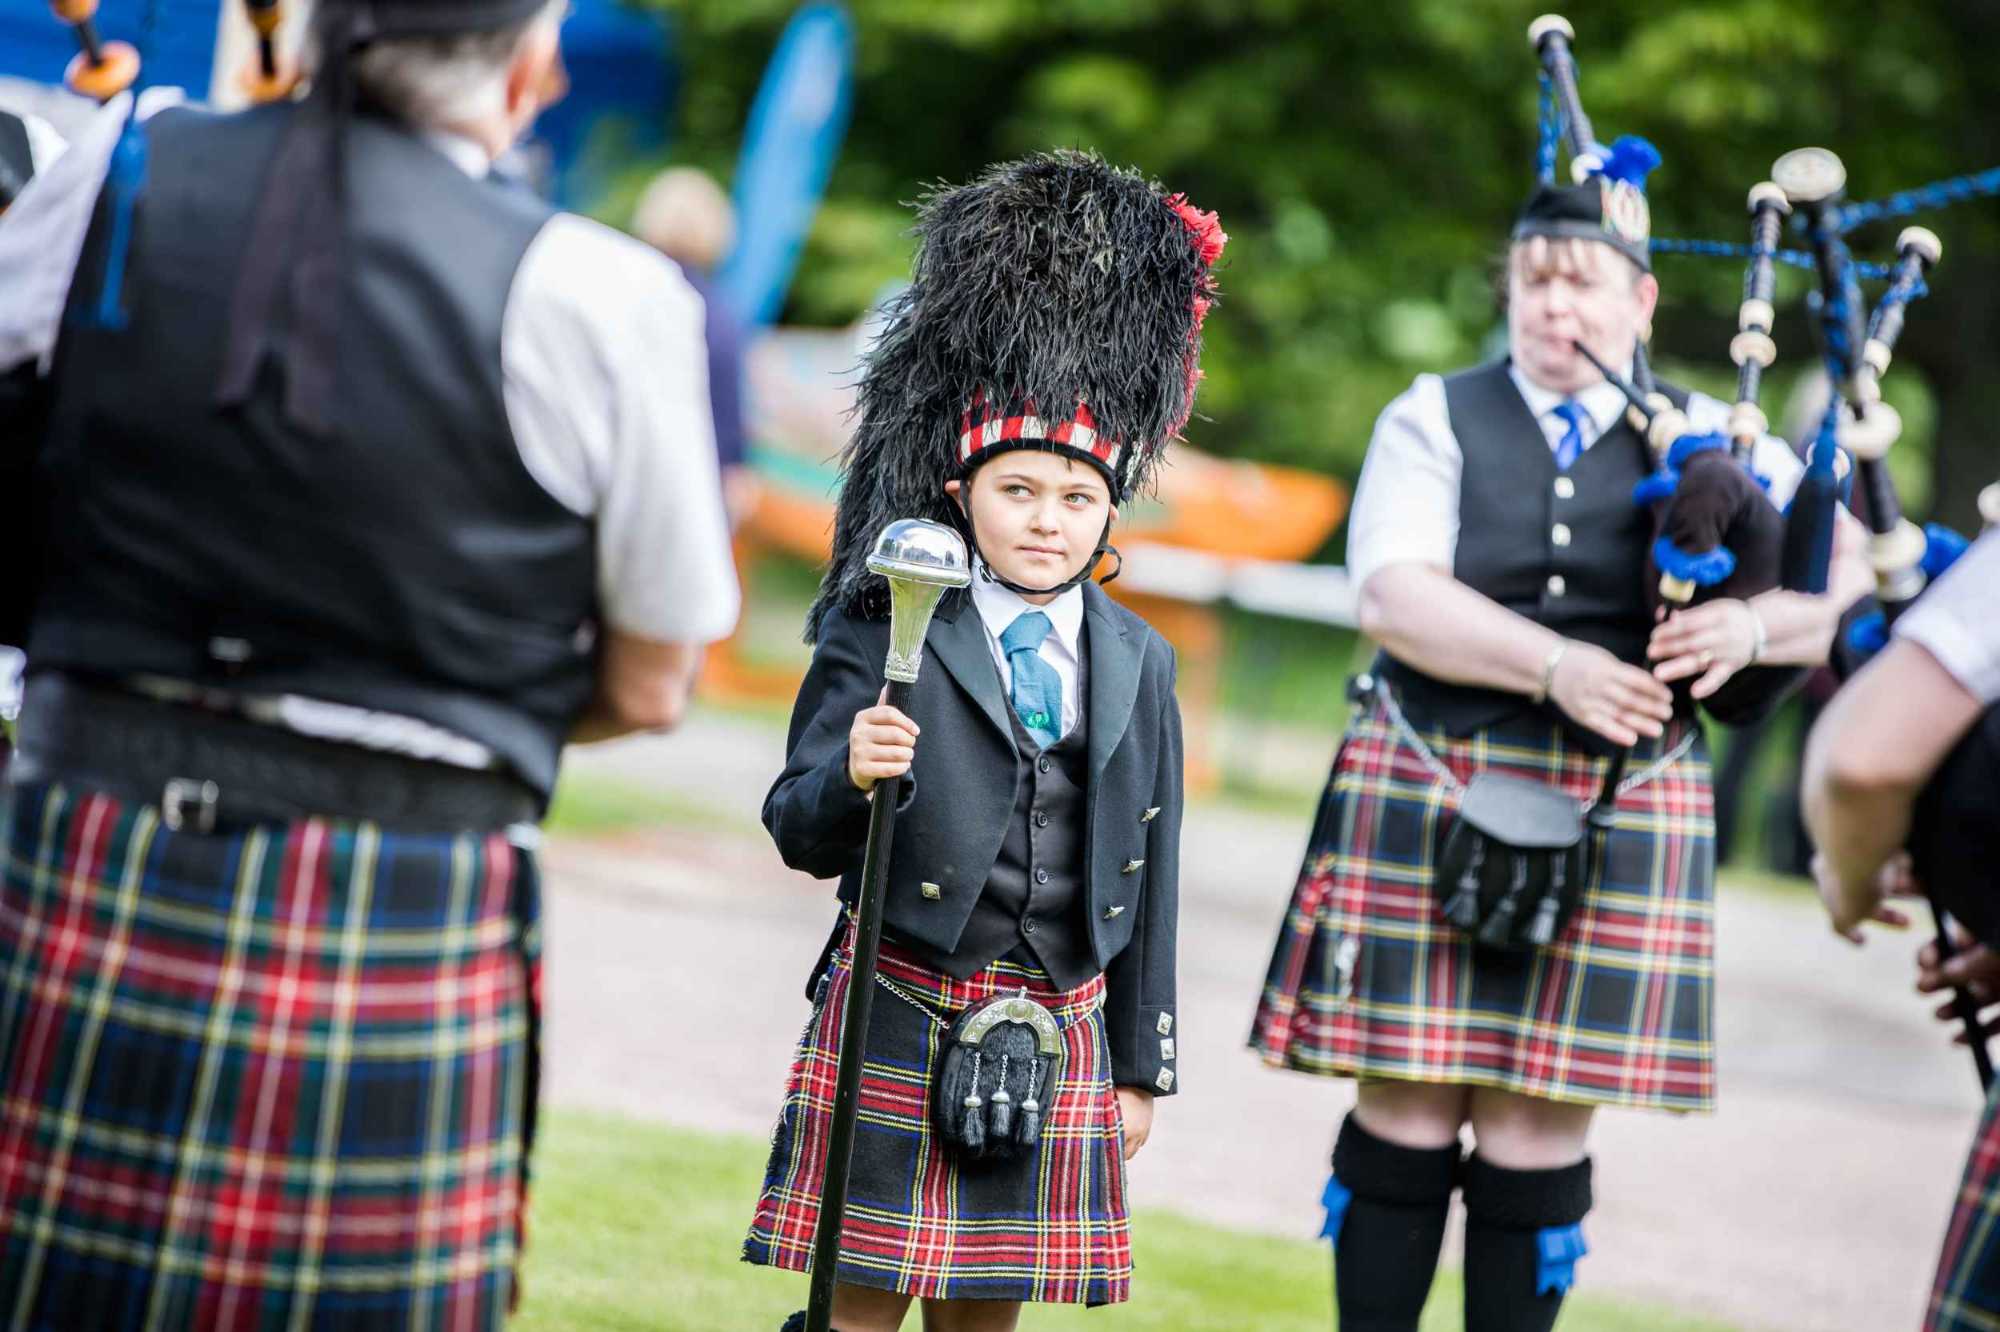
(407,562)
(1032,907)
(1567,550)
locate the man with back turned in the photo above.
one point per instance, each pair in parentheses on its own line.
(355,484)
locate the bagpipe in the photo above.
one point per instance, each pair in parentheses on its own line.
(1953,814)
(1716,533)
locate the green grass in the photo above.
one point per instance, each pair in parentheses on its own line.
(636,1228)
(595,804)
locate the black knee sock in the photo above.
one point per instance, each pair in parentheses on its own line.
(1521,1243)
(1385,1245)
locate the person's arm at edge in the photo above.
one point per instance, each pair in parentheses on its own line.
(1875,746)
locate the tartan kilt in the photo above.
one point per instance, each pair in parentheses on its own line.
(1618,1010)
(1966,1295)
(269,1078)
(1050,1226)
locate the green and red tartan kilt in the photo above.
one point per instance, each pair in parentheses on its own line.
(275,1078)
(1966,1295)
(1049,1226)
(1368,980)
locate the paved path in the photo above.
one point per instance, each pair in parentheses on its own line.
(1814,1199)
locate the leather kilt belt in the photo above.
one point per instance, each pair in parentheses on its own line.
(207,769)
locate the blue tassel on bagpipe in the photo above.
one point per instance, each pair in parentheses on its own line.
(1655,487)
(1687,446)
(1868,635)
(1942,547)
(122,186)
(1631,160)
(1556,1250)
(1335,1199)
(1703,570)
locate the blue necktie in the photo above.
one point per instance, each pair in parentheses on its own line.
(1570,447)
(1037,693)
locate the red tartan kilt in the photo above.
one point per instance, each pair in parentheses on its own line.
(1368,980)
(258,1079)
(1049,1226)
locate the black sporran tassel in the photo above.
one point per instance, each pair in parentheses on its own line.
(1031,1109)
(1003,1106)
(1499,927)
(974,1131)
(1463,908)
(1543,928)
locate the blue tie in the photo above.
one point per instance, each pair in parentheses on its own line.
(1570,447)
(1037,688)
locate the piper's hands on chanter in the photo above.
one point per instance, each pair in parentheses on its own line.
(1618,701)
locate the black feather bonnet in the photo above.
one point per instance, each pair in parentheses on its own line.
(1056,302)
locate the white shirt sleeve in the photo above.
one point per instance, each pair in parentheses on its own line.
(1770,457)
(1406,503)
(42,235)
(605,371)
(45,145)
(1958,620)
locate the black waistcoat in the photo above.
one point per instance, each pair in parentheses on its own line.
(1568,550)
(1033,904)
(407,562)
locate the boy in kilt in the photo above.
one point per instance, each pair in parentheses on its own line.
(1503,568)
(1026,385)
(1908,756)
(328,546)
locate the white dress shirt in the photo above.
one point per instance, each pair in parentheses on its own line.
(605,380)
(1062,649)
(1406,504)
(1958,620)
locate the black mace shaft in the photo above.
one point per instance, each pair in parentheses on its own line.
(854,1037)
(921,560)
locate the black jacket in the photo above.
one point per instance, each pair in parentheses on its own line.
(961,793)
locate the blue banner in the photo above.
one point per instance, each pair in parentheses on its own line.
(796,125)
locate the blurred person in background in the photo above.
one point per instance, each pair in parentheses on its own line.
(1503,568)
(356,487)
(685,215)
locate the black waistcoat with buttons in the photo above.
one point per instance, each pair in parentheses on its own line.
(1032,907)
(407,562)
(1568,550)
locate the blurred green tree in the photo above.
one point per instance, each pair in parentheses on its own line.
(1366,161)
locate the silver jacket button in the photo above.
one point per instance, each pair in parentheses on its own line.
(1132,866)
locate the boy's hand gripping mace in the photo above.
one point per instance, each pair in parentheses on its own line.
(921,560)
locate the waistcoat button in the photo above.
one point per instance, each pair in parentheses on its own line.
(1041,819)
(1565,488)
(1556,585)
(1042,763)
(1559,534)
(1041,876)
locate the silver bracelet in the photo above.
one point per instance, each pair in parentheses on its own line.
(1759,638)
(1549,664)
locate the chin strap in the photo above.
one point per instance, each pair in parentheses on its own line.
(963,519)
